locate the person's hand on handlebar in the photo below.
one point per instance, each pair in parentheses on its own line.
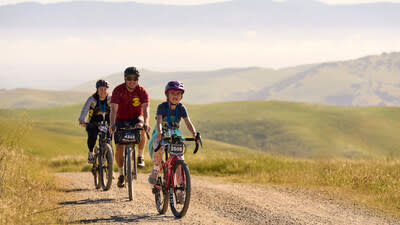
(82,123)
(139,125)
(146,128)
(197,139)
(159,136)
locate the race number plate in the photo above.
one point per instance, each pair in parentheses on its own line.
(129,137)
(176,149)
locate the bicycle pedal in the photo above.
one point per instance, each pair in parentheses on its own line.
(155,191)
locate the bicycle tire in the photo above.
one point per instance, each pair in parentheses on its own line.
(129,174)
(134,164)
(96,171)
(107,168)
(161,196)
(180,165)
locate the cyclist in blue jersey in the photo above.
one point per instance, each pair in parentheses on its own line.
(168,118)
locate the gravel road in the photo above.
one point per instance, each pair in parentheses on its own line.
(211,203)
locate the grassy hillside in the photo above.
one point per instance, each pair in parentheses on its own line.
(54,136)
(304,130)
(33,98)
(295,129)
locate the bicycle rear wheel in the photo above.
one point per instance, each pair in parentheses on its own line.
(128,175)
(107,168)
(179,192)
(160,192)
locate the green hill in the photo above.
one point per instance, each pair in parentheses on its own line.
(296,129)
(33,98)
(303,130)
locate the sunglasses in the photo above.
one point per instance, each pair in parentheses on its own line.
(134,78)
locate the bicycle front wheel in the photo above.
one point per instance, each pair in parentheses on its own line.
(179,192)
(107,168)
(134,163)
(96,169)
(128,175)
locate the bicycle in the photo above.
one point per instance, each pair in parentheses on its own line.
(102,169)
(173,180)
(129,136)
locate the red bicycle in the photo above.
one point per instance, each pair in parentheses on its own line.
(173,182)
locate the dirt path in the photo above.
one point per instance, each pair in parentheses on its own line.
(211,203)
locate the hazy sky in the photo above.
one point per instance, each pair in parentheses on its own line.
(187,2)
(65,61)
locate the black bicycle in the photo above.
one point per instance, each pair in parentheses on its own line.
(103,158)
(173,182)
(129,136)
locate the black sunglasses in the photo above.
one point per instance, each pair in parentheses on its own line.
(135,78)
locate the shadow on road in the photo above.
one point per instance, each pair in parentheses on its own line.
(88,201)
(127,219)
(74,190)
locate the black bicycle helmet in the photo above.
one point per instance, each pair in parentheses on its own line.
(102,83)
(131,71)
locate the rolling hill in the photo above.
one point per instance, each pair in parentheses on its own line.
(295,129)
(370,80)
(33,98)
(367,81)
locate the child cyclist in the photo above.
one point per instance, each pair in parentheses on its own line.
(168,118)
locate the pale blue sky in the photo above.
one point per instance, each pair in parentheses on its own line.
(191,2)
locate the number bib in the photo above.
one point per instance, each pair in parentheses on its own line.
(176,149)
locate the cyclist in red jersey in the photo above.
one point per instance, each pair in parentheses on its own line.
(129,103)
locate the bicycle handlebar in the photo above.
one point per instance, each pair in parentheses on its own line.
(170,138)
(122,128)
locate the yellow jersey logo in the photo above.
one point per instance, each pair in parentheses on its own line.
(136,101)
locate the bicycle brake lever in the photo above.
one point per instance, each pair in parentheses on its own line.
(199,138)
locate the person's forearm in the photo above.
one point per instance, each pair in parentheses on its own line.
(146,115)
(113,113)
(159,126)
(190,126)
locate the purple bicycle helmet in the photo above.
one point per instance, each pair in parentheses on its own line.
(101,83)
(175,85)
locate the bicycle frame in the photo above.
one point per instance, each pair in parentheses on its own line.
(168,166)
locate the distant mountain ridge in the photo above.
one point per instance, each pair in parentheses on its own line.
(370,80)
(367,81)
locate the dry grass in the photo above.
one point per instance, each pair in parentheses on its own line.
(27,190)
(374,183)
